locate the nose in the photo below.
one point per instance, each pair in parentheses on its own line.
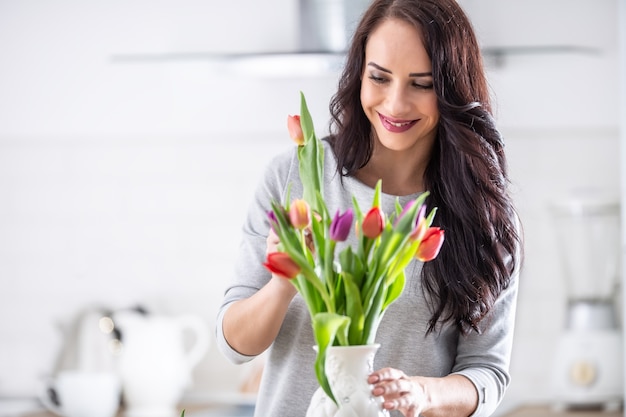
(397,103)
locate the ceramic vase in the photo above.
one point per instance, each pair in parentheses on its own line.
(347,369)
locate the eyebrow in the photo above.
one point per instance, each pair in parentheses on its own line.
(412,74)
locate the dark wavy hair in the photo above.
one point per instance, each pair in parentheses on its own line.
(467,173)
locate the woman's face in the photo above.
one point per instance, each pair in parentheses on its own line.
(397,92)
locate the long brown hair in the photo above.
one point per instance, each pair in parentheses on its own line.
(467,173)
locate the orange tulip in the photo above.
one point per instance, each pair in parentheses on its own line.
(299,214)
(430,245)
(295,129)
(280,263)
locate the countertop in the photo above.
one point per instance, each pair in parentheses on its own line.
(191,410)
(247,410)
(547,411)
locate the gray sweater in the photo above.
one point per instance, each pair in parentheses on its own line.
(288,379)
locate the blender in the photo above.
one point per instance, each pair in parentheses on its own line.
(588,369)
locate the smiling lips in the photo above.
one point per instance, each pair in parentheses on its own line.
(396,125)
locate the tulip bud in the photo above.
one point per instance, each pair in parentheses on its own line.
(299,214)
(340,226)
(406,209)
(430,245)
(295,129)
(273,220)
(373,223)
(280,263)
(421,225)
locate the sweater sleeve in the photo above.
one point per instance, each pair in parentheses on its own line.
(484,358)
(249,273)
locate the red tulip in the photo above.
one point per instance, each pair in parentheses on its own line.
(430,245)
(280,263)
(295,129)
(299,214)
(373,223)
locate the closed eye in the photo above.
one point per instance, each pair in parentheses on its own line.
(423,86)
(378,80)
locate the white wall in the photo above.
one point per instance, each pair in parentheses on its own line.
(622,124)
(126,181)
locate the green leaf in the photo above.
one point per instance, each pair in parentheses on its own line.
(431,216)
(354,309)
(311,160)
(373,313)
(395,289)
(325,328)
(377,191)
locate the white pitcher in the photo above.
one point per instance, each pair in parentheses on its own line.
(82,394)
(155,367)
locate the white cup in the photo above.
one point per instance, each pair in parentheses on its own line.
(83,394)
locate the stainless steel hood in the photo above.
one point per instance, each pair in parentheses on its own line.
(327,25)
(325,28)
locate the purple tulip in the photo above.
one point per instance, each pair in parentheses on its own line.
(340,226)
(273,220)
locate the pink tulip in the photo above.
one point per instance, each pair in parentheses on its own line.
(295,129)
(430,245)
(280,263)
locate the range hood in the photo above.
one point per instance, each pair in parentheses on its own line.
(325,28)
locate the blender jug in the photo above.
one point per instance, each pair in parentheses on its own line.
(589,354)
(588,233)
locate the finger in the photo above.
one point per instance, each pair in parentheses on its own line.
(391,389)
(401,394)
(403,404)
(385,374)
(271,242)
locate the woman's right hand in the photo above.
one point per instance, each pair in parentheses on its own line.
(272,242)
(251,324)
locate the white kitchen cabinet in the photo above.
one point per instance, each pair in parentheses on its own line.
(553,64)
(543,24)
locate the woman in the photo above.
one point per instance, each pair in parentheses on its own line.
(412,109)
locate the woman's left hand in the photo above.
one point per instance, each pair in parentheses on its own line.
(399,391)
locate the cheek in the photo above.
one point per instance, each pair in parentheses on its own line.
(364,96)
(430,107)
(368,98)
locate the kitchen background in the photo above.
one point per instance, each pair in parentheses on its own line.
(129,151)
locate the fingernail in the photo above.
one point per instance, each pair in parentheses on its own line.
(378,391)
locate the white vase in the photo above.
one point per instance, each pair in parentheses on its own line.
(347,369)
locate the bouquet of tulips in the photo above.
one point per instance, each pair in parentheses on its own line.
(348,292)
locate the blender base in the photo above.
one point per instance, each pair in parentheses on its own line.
(588,370)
